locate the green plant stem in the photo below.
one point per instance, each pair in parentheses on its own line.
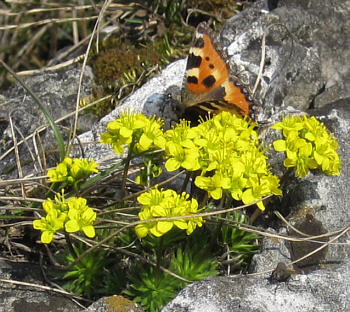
(70,245)
(126,168)
(204,200)
(184,184)
(286,175)
(257,211)
(148,174)
(222,202)
(253,217)
(159,252)
(92,182)
(213,240)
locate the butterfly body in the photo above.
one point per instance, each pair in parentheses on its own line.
(209,83)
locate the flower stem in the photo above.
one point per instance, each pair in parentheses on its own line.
(126,169)
(184,184)
(148,175)
(70,245)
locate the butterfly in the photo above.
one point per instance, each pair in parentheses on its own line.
(209,83)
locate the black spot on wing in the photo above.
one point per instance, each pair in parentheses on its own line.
(243,89)
(199,43)
(192,79)
(193,61)
(209,81)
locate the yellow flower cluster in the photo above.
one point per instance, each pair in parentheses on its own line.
(72,215)
(226,150)
(71,171)
(143,132)
(307,145)
(166,203)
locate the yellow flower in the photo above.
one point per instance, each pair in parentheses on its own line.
(49,225)
(73,215)
(161,204)
(307,145)
(130,127)
(71,171)
(81,217)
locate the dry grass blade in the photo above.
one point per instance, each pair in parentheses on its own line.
(44,10)
(23,180)
(37,158)
(33,156)
(48,21)
(289,225)
(69,51)
(43,128)
(18,198)
(261,66)
(41,287)
(20,224)
(18,163)
(28,47)
(97,24)
(12,207)
(324,245)
(51,68)
(132,224)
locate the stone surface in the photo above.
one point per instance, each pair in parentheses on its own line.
(114,304)
(313,292)
(151,99)
(315,199)
(57,90)
(310,72)
(306,67)
(21,298)
(307,52)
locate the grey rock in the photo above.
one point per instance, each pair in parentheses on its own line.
(57,90)
(258,294)
(152,99)
(312,72)
(114,304)
(18,298)
(326,286)
(307,52)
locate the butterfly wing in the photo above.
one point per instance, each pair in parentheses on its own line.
(208,79)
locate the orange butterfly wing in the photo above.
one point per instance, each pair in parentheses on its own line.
(208,83)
